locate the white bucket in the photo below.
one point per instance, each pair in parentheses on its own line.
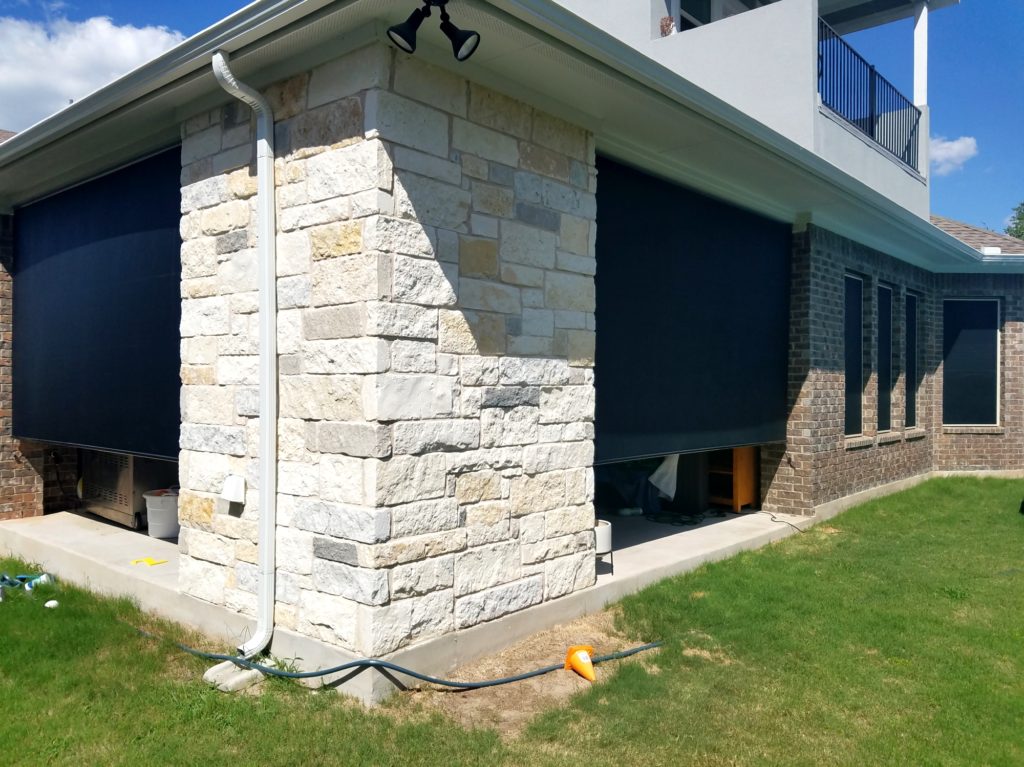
(603,534)
(162,513)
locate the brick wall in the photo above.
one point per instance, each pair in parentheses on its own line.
(21,485)
(819,463)
(436,261)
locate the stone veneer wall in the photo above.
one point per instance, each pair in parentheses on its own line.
(436,338)
(819,463)
(21,464)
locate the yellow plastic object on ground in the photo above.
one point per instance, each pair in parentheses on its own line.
(149,561)
(577,659)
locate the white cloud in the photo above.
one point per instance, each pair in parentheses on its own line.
(44,64)
(949,156)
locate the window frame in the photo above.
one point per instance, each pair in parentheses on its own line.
(846,361)
(890,289)
(999,360)
(911,384)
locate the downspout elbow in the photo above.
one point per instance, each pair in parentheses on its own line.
(267,256)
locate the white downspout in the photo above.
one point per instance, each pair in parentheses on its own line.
(267,254)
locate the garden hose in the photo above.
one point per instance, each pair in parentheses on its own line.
(383,664)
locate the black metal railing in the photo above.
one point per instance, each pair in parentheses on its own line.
(851,88)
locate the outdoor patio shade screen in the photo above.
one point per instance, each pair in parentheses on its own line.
(96,310)
(692,320)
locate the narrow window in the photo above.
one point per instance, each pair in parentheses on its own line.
(910,380)
(970,362)
(854,354)
(884,346)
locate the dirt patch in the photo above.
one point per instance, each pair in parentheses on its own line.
(828,530)
(509,708)
(698,595)
(713,656)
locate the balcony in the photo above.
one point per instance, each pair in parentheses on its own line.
(853,90)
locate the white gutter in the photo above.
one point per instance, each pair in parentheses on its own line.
(266,248)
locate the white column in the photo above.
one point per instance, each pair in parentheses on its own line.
(921,53)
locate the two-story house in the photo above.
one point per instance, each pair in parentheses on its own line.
(383,326)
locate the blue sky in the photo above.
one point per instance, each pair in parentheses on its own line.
(976,78)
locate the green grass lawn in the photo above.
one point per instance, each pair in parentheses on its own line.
(893,634)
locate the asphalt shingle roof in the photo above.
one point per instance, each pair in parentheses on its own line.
(979,238)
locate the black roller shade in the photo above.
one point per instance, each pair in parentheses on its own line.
(912,366)
(853,352)
(970,369)
(692,320)
(97,306)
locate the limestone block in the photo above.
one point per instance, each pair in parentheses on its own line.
(418,578)
(360,439)
(527,245)
(486,566)
(426,165)
(331,322)
(493,200)
(332,398)
(533,298)
(568,574)
(418,437)
(225,217)
(293,292)
(500,112)
(202,580)
(560,136)
(314,214)
(417,548)
(356,523)
(468,332)
(552,457)
(502,600)
(424,281)
(204,194)
(208,546)
(489,296)
(346,356)
(551,548)
(537,190)
(199,350)
(348,170)
(336,550)
(288,587)
(413,357)
(401,321)
(229,440)
(293,253)
(396,397)
(385,629)
(533,372)
(575,432)
(530,495)
(362,277)
(431,85)
(574,235)
(484,142)
(539,159)
(204,143)
(478,486)
(505,427)
(419,518)
(365,68)
(368,587)
(195,510)
(432,203)
(473,166)
(571,320)
(289,331)
(341,238)
(531,528)
(578,346)
(569,520)
(398,235)
(478,257)
(483,226)
(298,478)
(570,262)
(208,404)
(330,618)
(205,317)
(203,472)
(487,522)
(334,125)
(344,479)
(538,322)
(567,404)
(538,216)
(403,121)
(569,291)
(496,458)
(198,257)
(479,371)
(403,479)
(294,551)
